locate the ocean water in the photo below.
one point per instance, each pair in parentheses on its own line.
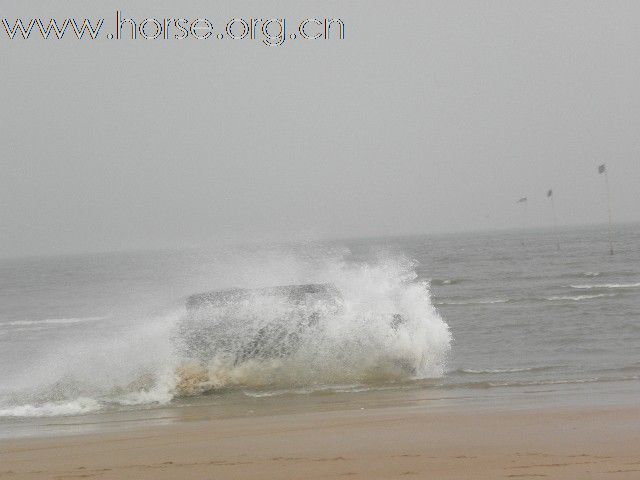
(504,317)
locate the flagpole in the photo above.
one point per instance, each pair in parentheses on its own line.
(606,181)
(526,217)
(523,200)
(555,227)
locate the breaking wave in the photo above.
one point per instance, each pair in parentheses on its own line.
(446,281)
(489,371)
(605,286)
(544,382)
(577,298)
(53,409)
(477,301)
(345,323)
(553,298)
(52,321)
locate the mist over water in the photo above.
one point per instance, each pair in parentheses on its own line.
(463,313)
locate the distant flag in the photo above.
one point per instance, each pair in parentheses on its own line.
(603,169)
(523,202)
(553,210)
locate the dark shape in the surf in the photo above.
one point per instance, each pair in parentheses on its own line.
(200,338)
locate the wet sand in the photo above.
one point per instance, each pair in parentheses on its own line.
(383,443)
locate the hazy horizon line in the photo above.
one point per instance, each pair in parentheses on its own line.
(320,240)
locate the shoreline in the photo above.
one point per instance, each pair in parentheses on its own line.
(240,403)
(386,442)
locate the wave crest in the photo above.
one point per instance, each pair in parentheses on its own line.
(605,286)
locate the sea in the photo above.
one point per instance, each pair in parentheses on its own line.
(509,319)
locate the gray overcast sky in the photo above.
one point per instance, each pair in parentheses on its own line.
(428,117)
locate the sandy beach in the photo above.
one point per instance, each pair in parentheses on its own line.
(406,442)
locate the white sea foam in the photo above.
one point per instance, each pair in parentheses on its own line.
(485,384)
(564,381)
(605,286)
(478,301)
(52,321)
(577,298)
(485,371)
(77,406)
(445,281)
